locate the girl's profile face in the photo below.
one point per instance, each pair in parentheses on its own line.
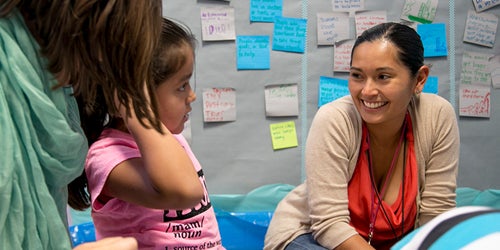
(380,84)
(175,96)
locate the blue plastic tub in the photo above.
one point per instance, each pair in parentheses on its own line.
(243,230)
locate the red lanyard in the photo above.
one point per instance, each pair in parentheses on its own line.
(374,211)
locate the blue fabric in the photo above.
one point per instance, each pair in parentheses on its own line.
(467,196)
(264,198)
(456,229)
(468,231)
(405,240)
(243,231)
(43,147)
(243,218)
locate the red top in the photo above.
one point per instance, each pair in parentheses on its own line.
(363,201)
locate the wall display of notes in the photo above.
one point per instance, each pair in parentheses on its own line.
(264,62)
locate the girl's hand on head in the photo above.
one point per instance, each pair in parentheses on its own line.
(122,109)
(164,177)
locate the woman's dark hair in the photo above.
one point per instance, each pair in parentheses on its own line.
(403,37)
(168,58)
(98,45)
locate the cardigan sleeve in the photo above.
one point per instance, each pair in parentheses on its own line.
(331,152)
(439,143)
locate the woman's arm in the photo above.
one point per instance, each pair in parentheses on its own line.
(441,168)
(330,152)
(355,242)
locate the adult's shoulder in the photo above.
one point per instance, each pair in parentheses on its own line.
(337,122)
(338,109)
(428,100)
(432,105)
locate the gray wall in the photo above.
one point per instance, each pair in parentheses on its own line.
(238,156)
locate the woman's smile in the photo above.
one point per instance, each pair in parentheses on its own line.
(373,105)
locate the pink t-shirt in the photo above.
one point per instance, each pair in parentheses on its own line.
(191,229)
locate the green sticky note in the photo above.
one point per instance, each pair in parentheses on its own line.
(283,135)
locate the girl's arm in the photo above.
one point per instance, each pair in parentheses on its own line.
(164,178)
(118,242)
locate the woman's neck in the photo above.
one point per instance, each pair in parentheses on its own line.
(385,135)
(385,149)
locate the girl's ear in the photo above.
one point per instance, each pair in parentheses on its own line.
(422,75)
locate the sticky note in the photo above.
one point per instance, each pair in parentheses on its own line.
(253,52)
(475,100)
(283,135)
(431,86)
(475,68)
(332,27)
(290,34)
(421,11)
(481,28)
(219,104)
(282,100)
(331,89)
(217,23)
(265,10)
(342,56)
(434,39)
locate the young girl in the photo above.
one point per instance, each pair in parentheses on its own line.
(147,184)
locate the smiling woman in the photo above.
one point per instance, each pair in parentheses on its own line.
(380,161)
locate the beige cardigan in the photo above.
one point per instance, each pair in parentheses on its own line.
(320,204)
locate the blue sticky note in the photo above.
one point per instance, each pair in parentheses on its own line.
(434,39)
(431,86)
(253,52)
(265,10)
(289,34)
(331,89)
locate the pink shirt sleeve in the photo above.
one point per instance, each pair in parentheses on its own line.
(104,155)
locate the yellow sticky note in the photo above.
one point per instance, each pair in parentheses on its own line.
(283,135)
